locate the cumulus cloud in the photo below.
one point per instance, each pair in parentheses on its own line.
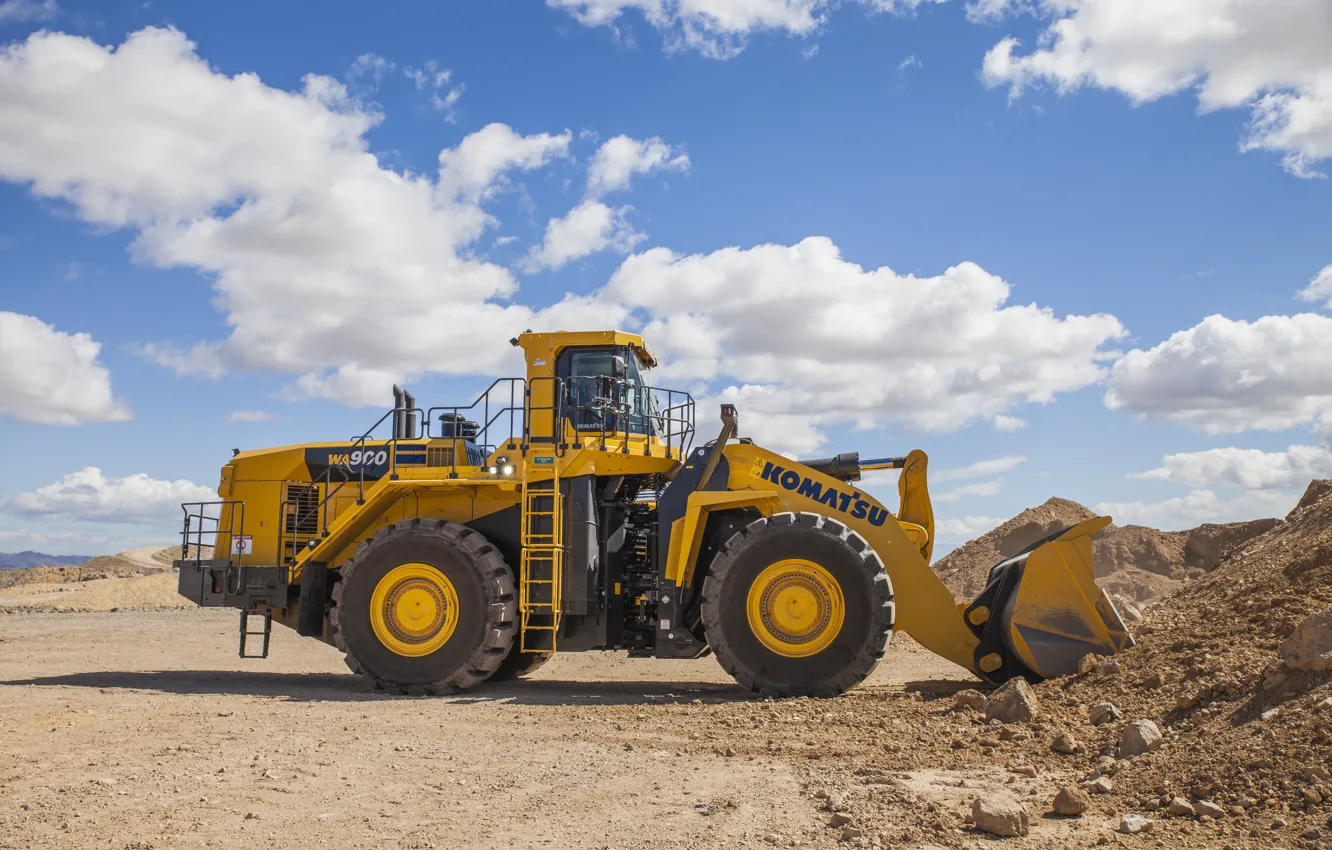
(586,229)
(250,416)
(979,488)
(1226,376)
(27,10)
(1198,507)
(1248,469)
(1009,423)
(780,328)
(275,195)
(51,377)
(719,29)
(979,469)
(444,93)
(620,158)
(962,529)
(89,496)
(1319,289)
(1272,57)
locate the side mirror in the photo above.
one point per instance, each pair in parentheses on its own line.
(619,367)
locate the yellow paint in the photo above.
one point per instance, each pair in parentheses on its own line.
(980,616)
(687,532)
(414,610)
(991,662)
(795,608)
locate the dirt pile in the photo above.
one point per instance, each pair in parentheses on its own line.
(1247,740)
(1132,562)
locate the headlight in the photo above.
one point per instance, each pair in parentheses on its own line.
(492,469)
(508,469)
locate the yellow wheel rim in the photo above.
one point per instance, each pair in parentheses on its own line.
(414,610)
(795,608)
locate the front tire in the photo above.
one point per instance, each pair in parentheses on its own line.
(797,605)
(425,606)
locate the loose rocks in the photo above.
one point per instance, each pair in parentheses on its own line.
(1071,801)
(1065,743)
(1103,712)
(1013,702)
(1134,824)
(972,699)
(1000,814)
(1138,737)
(1208,809)
(1179,807)
(1309,647)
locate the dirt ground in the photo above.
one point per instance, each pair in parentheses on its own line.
(141,729)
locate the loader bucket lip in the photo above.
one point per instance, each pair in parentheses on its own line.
(1037,633)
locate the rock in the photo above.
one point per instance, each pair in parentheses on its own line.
(840,819)
(1071,801)
(1138,737)
(1103,785)
(1208,809)
(1134,824)
(1313,833)
(1324,704)
(1087,663)
(1179,807)
(836,801)
(1025,770)
(1315,492)
(1153,681)
(852,832)
(970,698)
(1000,814)
(1108,667)
(1103,712)
(1106,766)
(1065,743)
(772,838)
(1130,613)
(1313,774)
(1013,702)
(1312,797)
(1309,647)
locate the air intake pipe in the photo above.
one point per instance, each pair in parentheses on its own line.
(847,466)
(410,428)
(399,404)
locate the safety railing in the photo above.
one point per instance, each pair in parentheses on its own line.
(613,410)
(204,524)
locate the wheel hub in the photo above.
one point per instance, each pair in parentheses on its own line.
(414,610)
(795,608)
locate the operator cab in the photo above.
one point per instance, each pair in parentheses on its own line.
(606,389)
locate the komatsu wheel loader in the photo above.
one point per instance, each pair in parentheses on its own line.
(570,510)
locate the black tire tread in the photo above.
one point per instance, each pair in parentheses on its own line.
(869,655)
(501,606)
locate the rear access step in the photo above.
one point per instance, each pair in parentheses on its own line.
(266,632)
(1041,610)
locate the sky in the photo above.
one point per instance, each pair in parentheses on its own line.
(1075,248)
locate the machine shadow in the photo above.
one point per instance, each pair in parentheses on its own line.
(333,687)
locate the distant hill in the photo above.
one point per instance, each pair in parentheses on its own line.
(23,560)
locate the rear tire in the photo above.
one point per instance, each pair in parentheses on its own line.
(461,583)
(797,605)
(517,664)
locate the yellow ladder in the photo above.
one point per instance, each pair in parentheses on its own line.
(541,575)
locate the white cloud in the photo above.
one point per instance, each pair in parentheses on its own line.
(810,52)
(962,529)
(444,93)
(250,416)
(979,469)
(966,491)
(350,384)
(1273,57)
(368,70)
(275,196)
(1248,469)
(1200,506)
(719,29)
(1226,376)
(797,328)
(1009,423)
(993,11)
(27,10)
(1319,289)
(909,63)
(51,377)
(620,158)
(89,496)
(586,229)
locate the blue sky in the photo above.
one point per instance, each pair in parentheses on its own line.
(245,206)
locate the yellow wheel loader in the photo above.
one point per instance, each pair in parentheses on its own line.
(570,509)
